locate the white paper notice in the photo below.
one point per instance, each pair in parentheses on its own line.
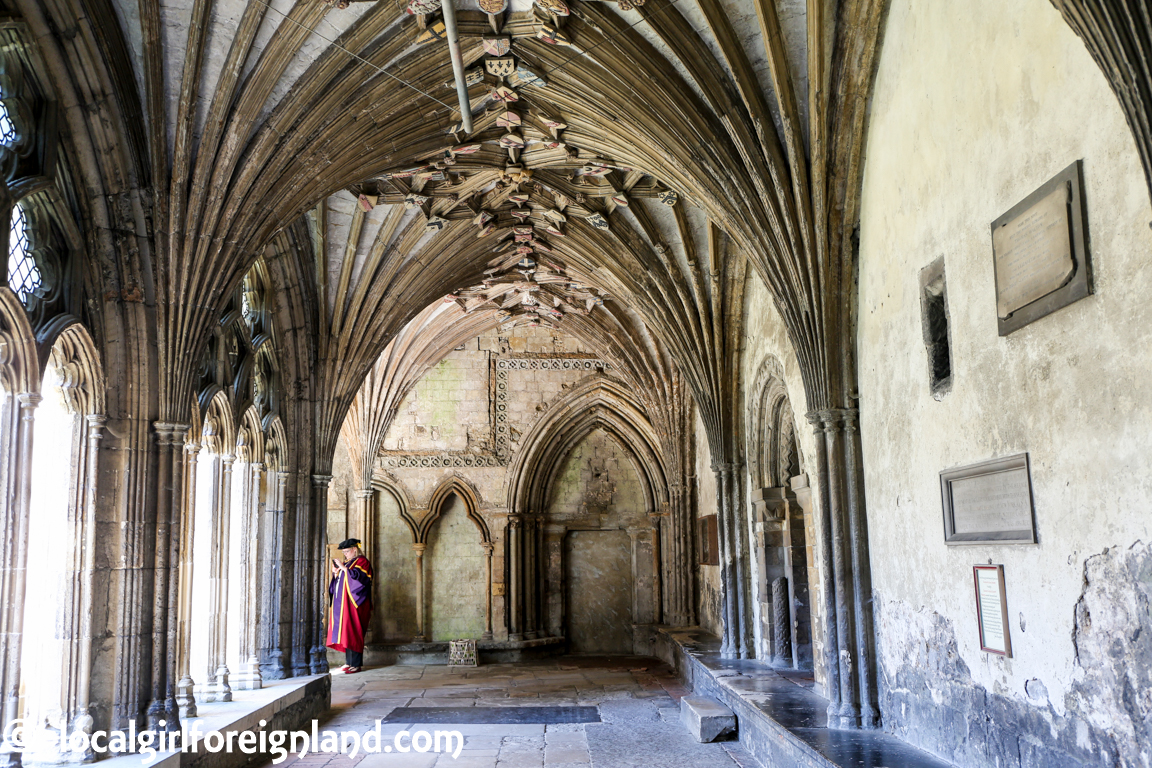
(991,614)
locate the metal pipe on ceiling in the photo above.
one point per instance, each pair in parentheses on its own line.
(457,65)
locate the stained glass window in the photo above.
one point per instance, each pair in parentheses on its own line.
(23,274)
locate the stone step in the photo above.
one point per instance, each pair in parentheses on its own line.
(707,719)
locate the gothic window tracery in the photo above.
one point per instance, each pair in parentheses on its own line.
(24,276)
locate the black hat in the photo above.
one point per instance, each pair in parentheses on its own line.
(349,543)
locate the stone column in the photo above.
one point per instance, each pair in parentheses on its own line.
(222,522)
(81,718)
(271,595)
(303,587)
(861,572)
(318,537)
(515,586)
(488,547)
(250,678)
(531,577)
(185,688)
(163,711)
(423,633)
(827,582)
(13,571)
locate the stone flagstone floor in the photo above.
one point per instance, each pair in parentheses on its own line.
(638,700)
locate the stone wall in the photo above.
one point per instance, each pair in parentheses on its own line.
(976,105)
(464,422)
(767,355)
(709,595)
(598,493)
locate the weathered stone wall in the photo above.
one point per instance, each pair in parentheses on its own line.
(709,594)
(597,488)
(975,106)
(766,347)
(455,575)
(465,420)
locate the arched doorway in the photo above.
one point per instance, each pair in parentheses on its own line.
(56,658)
(782,520)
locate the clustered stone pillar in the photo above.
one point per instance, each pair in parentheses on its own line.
(849,655)
(679,533)
(218,582)
(163,710)
(733,562)
(270,626)
(319,652)
(526,569)
(185,687)
(250,533)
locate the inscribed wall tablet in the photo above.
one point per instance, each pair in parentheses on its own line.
(989,502)
(1040,252)
(1033,253)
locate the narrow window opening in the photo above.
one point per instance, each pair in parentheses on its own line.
(23,274)
(934,307)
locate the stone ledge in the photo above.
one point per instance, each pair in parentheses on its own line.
(436,652)
(289,704)
(780,722)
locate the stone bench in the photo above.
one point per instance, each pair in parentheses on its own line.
(706,719)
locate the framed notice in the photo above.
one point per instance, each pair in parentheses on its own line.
(989,502)
(709,539)
(1040,252)
(992,609)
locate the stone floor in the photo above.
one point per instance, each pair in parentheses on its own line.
(637,701)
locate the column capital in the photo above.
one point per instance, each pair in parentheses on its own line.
(488,547)
(321,481)
(365,493)
(419,548)
(29,399)
(169,433)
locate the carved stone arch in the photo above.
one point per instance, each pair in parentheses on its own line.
(218,433)
(275,445)
(467,493)
(383,482)
(73,354)
(19,361)
(769,396)
(264,393)
(250,444)
(595,402)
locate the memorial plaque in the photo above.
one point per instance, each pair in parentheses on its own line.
(1040,252)
(989,502)
(992,609)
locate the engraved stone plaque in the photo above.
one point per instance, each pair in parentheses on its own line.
(989,502)
(1040,252)
(1033,253)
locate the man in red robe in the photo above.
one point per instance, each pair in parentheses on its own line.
(351,593)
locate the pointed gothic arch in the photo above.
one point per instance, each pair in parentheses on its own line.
(597,401)
(467,493)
